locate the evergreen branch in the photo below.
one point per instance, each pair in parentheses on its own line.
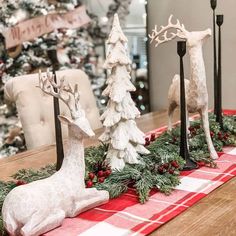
(30,175)
(145,175)
(114,189)
(144,185)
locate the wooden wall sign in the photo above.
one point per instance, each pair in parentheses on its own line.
(33,28)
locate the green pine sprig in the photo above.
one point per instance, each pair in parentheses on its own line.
(154,171)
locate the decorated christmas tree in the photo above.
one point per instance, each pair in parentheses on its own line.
(73,45)
(125,139)
(73,48)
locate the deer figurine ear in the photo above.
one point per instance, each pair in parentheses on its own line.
(65,120)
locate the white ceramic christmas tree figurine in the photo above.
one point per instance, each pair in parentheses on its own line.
(125,139)
(42,205)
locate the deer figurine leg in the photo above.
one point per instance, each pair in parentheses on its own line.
(187,121)
(171,110)
(12,228)
(174,99)
(91,198)
(37,227)
(205,123)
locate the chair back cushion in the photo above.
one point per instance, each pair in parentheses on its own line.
(35,108)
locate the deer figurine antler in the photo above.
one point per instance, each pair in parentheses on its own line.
(40,206)
(161,36)
(196,89)
(62,91)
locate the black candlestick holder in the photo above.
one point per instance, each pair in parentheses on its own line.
(184,152)
(52,55)
(219,22)
(213,4)
(213,7)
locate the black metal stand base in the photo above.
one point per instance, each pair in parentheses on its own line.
(190,165)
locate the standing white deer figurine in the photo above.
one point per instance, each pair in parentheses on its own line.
(40,206)
(196,89)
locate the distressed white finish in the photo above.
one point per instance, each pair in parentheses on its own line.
(125,139)
(196,89)
(40,206)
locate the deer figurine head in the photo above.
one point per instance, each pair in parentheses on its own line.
(78,123)
(166,34)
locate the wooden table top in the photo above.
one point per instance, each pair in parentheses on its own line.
(213,215)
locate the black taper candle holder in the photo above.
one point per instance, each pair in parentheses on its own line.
(184,152)
(52,54)
(213,7)
(3,54)
(219,22)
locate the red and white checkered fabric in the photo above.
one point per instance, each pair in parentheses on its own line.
(125,216)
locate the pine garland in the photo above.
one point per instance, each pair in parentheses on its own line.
(158,170)
(5,188)
(29,175)
(94,155)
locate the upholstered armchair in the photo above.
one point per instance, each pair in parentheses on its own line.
(35,109)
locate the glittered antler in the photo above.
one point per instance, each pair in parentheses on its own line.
(161,36)
(62,91)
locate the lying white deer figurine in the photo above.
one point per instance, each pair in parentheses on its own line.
(196,89)
(40,206)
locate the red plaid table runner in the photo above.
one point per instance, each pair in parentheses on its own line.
(125,216)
